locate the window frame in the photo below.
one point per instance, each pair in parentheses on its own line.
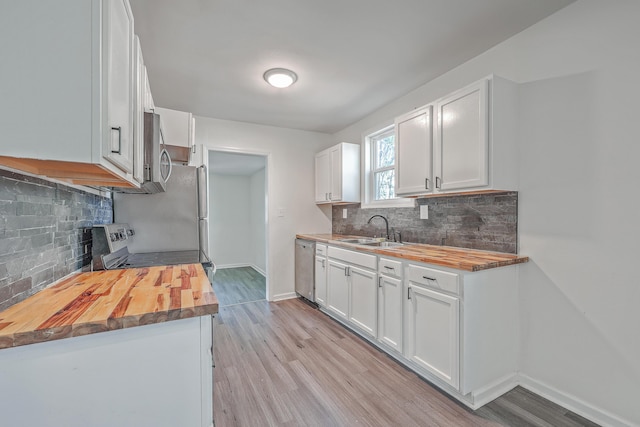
(368,155)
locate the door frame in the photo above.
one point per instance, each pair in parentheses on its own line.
(267,158)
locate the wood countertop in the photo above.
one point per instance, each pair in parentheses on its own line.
(446,256)
(101,301)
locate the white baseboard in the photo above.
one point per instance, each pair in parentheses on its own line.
(281,297)
(259,270)
(494,390)
(222,267)
(572,403)
(255,267)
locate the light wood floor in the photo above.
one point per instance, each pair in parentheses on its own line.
(288,364)
(239,285)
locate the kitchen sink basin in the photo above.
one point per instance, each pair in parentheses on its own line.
(358,241)
(383,244)
(371,242)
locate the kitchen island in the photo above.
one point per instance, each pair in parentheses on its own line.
(119,347)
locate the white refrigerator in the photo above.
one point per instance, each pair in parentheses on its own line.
(175,220)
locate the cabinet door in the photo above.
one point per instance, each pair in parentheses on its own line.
(177,127)
(149,106)
(118,37)
(335,191)
(321,280)
(337,289)
(323,176)
(390,300)
(432,332)
(363,299)
(138,109)
(414,140)
(462,145)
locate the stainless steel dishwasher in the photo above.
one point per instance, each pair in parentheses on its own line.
(305,269)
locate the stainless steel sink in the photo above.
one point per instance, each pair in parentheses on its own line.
(383,244)
(361,241)
(371,242)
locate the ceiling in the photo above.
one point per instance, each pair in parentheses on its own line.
(351,56)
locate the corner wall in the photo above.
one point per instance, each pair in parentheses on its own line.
(578,199)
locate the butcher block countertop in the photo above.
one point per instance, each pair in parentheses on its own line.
(101,301)
(445,256)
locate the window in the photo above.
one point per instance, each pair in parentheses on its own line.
(383,162)
(379,159)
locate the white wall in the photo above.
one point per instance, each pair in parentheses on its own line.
(579,149)
(257,189)
(290,183)
(230,220)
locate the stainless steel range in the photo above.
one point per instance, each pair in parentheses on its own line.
(110,251)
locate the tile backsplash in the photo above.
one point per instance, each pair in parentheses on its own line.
(475,221)
(45,233)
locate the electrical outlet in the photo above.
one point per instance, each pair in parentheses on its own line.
(344,213)
(424,211)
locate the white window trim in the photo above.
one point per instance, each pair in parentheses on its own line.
(366,177)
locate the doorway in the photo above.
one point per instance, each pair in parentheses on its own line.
(238,200)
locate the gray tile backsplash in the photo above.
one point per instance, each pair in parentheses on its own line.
(45,233)
(480,221)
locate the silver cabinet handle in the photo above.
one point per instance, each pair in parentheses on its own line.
(323,261)
(379,281)
(330,196)
(119,129)
(438,182)
(426,183)
(429,278)
(409,292)
(389,268)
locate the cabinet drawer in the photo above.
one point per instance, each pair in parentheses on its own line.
(390,267)
(352,257)
(321,250)
(436,279)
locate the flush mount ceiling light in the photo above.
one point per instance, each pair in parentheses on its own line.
(280,77)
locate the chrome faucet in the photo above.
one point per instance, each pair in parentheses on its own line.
(386,223)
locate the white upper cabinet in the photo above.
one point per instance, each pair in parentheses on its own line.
(414,135)
(179,133)
(338,174)
(323,176)
(474,145)
(462,141)
(149,106)
(67,107)
(139,98)
(118,46)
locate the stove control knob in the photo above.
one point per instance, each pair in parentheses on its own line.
(113,237)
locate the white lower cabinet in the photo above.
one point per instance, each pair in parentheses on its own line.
(390,302)
(352,293)
(337,289)
(432,332)
(321,280)
(455,328)
(363,298)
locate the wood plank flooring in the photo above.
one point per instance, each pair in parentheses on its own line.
(238,286)
(288,364)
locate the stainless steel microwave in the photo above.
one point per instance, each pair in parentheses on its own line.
(157,162)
